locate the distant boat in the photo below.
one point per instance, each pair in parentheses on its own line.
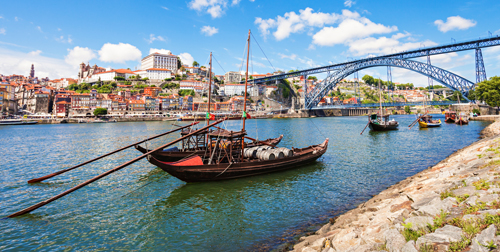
(16,122)
(462,119)
(381,122)
(450,116)
(427,122)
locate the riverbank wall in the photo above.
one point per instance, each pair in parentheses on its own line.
(452,206)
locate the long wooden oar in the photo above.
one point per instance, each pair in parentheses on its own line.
(364,128)
(105,155)
(255,140)
(414,122)
(43,203)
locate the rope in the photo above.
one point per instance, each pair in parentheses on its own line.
(263,52)
(321,133)
(218,63)
(224,170)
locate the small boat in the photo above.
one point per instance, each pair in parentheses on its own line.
(382,123)
(427,122)
(450,116)
(175,154)
(462,119)
(16,122)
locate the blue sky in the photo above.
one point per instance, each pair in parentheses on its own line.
(58,35)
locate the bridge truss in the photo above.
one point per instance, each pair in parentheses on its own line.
(385,104)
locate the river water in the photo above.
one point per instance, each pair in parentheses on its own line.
(143,208)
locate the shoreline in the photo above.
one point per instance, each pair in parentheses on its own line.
(383,223)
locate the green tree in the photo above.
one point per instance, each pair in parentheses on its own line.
(179,62)
(312,78)
(196,64)
(368,80)
(100,111)
(145,79)
(407,110)
(119,78)
(489,91)
(73,87)
(456,94)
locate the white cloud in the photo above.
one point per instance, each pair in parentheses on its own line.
(235,2)
(59,29)
(385,45)
(3,31)
(1,17)
(497,32)
(213,7)
(186,59)
(349,3)
(208,30)
(454,23)
(153,38)
(35,53)
(165,8)
(64,40)
(162,51)
(350,29)
(14,62)
(351,26)
(77,55)
(39,29)
(16,18)
(119,53)
(284,56)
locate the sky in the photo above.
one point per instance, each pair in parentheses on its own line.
(57,36)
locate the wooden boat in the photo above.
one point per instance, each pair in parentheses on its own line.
(462,119)
(211,168)
(217,117)
(450,116)
(174,154)
(227,157)
(381,123)
(427,122)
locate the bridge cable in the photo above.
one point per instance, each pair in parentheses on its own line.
(263,51)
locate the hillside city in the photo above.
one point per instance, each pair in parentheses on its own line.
(165,84)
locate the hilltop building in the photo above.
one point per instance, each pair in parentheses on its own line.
(160,61)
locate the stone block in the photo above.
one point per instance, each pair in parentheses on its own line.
(435,206)
(469,190)
(419,222)
(483,238)
(394,240)
(471,201)
(442,236)
(488,198)
(409,247)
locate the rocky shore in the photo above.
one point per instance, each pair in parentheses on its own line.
(452,206)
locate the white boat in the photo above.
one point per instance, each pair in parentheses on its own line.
(16,122)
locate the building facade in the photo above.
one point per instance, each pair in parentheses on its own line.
(232,77)
(158,60)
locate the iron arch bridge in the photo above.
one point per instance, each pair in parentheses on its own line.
(447,78)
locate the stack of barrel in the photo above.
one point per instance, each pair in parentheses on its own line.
(267,153)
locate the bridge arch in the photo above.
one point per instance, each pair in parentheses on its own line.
(448,79)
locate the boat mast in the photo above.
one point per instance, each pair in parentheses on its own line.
(209,88)
(380,95)
(245,98)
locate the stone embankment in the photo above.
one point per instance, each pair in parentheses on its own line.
(453,206)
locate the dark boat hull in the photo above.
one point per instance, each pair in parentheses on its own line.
(223,171)
(461,121)
(449,120)
(172,156)
(378,127)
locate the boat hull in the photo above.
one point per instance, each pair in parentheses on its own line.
(224,171)
(461,121)
(379,127)
(428,125)
(17,122)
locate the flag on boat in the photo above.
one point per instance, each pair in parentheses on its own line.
(247,116)
(210,116)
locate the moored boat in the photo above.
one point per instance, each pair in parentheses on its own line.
(462,119)
(450,116)
(381,123)
(16,122)
(427,122)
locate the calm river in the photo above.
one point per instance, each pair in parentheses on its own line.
(143,208)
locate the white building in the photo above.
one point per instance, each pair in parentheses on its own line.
(197,86)
(155,73)
(239,89)
(162,61)
(232,77)
(110,75)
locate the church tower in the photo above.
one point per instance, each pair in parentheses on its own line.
(32,72)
